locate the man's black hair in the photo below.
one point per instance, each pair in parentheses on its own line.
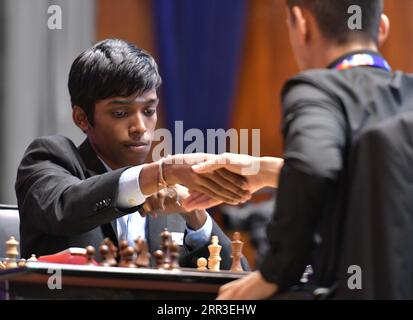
(332,18)
(111,68)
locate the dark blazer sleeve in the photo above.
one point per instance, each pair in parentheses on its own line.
(55,194)
(189,257)
(314,141)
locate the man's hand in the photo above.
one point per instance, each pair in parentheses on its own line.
(258,172)
(165,202)
(251,287)
(220,185)
(199,201)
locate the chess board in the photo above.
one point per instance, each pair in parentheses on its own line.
(38,280)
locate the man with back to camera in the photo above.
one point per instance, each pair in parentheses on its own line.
(75,197)
(324,112)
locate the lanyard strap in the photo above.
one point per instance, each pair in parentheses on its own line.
(363,59)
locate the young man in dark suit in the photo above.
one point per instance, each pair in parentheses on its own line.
(72,196)
(345,89)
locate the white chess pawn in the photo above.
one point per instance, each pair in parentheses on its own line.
(202,264)
(32,258)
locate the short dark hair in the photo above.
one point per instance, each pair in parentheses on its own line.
(332,18)
(110,68)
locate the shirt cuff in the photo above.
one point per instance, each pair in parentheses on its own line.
(130,194)
(200,237)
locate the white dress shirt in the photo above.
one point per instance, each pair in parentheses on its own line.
(132,226)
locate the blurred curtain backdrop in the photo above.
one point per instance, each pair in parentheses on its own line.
(199,44)
(35,63)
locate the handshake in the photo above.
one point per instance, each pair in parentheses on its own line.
(188,182)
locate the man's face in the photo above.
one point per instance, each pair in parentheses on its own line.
(123,129)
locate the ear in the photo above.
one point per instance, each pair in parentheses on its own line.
(300,23)
(80,118)
(384,29)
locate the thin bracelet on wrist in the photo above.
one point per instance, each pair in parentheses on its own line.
(161,174)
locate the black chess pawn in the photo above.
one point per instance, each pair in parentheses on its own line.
(123,244)
(107,258)
(159,259)
(112,248)
(127,257)
(126,254)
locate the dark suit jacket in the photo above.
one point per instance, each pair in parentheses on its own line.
(324,114)
(67,199)
(377,234)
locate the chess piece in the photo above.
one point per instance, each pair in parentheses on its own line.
(126,257)
(159,258)
(112,249)
(236,253)
(214,259)
(32,258)
(174,255)
(112,252)
(90,254)
(165,243)
(202,264)
(21,263)
(11,253)
(123,244)
(308,273)
(107,258)
(142,252)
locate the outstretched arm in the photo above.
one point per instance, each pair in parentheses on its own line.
(177,169)
(258,172)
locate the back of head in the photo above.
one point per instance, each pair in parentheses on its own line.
(111,68)
(332,18)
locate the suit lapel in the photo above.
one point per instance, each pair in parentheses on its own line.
(94,167)
(92,162)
